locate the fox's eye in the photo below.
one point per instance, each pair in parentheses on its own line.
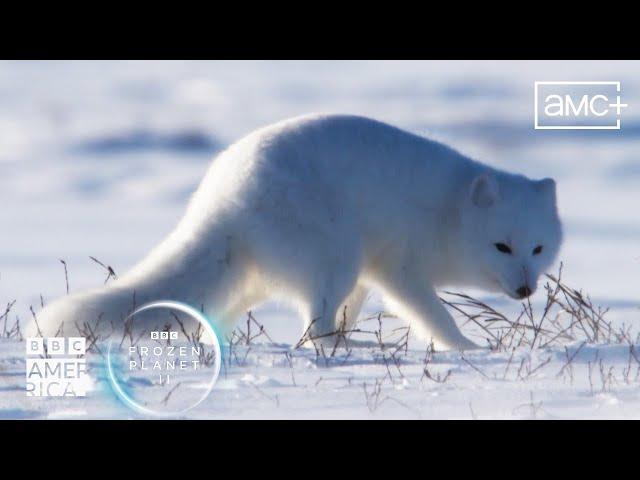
(503,248)
(537,250)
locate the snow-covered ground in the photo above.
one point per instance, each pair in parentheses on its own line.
(273,381)
(99,158)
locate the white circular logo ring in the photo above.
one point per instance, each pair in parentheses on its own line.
(193,313)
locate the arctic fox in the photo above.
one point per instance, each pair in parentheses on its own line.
(323,208)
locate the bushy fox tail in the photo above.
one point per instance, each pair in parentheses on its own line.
(206,270)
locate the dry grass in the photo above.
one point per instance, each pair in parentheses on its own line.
(568,315)
(10,330)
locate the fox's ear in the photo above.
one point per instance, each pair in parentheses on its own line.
(547,186)
(484,191)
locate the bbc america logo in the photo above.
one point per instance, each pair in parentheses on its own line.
(56,367)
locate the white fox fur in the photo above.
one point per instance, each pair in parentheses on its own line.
(322,208)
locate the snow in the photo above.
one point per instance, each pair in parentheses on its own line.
(99,158)
(275,381)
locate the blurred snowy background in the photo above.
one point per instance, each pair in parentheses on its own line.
(99,158)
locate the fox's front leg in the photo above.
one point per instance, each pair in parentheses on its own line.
(419,301)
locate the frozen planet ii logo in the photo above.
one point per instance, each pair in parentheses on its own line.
(169,368)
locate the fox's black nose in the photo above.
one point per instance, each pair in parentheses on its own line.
(523,291)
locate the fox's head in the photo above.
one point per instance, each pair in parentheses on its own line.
(511,231)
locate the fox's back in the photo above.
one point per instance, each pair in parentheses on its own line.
(346,160)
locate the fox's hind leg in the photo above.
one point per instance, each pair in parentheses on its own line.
(323,301)
(247,291)
(350,310)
